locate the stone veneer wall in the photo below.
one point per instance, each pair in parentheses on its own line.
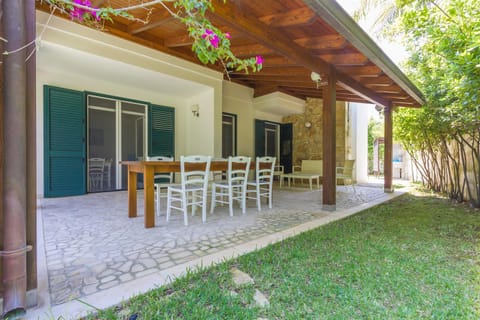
(307,142)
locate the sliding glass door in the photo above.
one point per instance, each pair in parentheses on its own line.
(116,131)
(133,136)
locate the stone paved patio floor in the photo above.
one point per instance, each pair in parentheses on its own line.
(91,249)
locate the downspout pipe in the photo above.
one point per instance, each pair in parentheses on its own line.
(15,164)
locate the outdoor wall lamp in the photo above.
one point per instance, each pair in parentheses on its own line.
(195,110)
(308,124)
(316,78)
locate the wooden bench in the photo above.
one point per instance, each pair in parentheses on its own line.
(310,169)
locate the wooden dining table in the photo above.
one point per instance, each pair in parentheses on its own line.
(149,169)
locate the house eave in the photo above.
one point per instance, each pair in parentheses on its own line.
(335,15)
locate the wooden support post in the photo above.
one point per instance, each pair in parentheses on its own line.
(14,180)
(30,19)
(132,193)
(1,156)
(329,142)
(388,166)
(149,194)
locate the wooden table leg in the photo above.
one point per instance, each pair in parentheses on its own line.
(132,194)
(148,190)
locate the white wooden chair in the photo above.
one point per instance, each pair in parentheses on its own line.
(278,171)
(345,173)
(235,187)
(162,182)
(193,188)
(262,186)
(96,167)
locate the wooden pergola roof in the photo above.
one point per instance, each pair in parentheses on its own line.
(295,37)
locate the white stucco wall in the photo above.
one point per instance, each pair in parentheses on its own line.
(357,149)
(238,100)
(76,57)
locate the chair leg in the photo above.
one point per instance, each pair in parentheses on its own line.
(204,206)
(230,201)
(244,201)
(270,197)
(169,203)
(259,206)
(158,201)
(185,208)
(214,193)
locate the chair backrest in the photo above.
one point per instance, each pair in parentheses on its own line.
(96,165)
(196,176)
(278,169)
(348,168)
(238,168)
(264,167)
(312,166)
(167,176)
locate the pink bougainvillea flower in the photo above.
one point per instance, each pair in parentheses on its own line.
(211,37)
(78,13)
(259,60)
(227,35)
(207,33)
(214,40)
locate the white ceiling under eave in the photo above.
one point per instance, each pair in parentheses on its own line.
(279,103)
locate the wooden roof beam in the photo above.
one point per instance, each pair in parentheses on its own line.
(180,41)
(274,39)
(281,43)
(323,43)
(377,81)
(271,78)
(250,50)
(156,20)
(333,14)
(262,90)
(297,17)
(278,61)
(285,71)
(97,3)
(365,71)
(368,94)
(385,89)
(186,40)
(346,59)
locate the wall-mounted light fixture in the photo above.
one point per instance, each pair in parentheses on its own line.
(308,124)
(316,78)
(195,108)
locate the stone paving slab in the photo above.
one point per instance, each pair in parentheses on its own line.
(91,245)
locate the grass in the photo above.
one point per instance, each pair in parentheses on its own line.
(416,257)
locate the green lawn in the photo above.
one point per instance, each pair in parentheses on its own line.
(412,258)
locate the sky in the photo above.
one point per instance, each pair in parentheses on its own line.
(395,51)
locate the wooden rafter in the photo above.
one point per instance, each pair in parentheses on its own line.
(302,16)
(279,42)
(293,37)
(324,42)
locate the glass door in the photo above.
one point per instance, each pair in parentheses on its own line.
(229,138)
(116,132)
(272,140)
(102,151)
(133,137)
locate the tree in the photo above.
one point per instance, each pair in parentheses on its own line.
(444,41)
(443,137)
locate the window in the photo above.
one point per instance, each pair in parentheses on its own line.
(229,135)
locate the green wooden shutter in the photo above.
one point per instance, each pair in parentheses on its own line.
(259,138)
(161,131)
(64,142)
